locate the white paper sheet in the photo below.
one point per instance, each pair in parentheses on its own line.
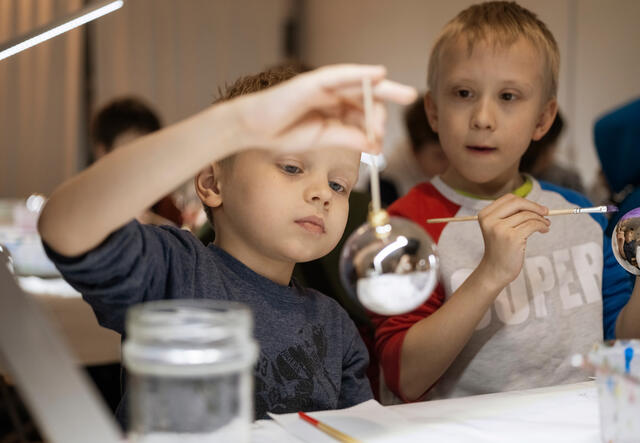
(368,421)
(566,413)
(558,414)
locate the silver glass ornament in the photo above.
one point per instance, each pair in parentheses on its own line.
(389,265)
(625,241)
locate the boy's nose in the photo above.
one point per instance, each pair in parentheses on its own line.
(319,194)
(483,116)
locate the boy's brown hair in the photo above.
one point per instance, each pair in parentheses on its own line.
(538,149)
(500,23)
(418,128)
(262,80)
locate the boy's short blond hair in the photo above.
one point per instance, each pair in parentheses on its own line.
(501,23)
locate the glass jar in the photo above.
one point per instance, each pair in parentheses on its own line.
(190,371)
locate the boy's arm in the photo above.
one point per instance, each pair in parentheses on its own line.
(319,108)
(628,322)
(432,344)
(83,211)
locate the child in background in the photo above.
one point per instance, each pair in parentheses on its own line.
(616,135)
(413,164)
(120,122)
(519,294)
(276,169)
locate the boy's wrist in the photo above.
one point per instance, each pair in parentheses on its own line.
(241,118)
(226,120)
(488,280)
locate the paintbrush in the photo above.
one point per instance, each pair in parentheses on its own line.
(592,210)
(333,432)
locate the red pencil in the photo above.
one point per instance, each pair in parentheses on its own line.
(333,432)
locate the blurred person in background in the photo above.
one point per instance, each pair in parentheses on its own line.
(120,122)
(416,161)
(617,141)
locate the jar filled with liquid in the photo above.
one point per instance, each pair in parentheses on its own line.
(190,376)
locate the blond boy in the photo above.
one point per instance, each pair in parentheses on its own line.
(519,294)
(280,196)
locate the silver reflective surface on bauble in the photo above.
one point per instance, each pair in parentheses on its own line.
(625,241)
(389,269)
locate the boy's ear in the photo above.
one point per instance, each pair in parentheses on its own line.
(208,185)
(546,119)
(432,111)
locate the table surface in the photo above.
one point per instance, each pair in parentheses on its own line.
(567,413)
(90,343)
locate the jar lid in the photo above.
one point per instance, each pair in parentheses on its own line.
(189,337)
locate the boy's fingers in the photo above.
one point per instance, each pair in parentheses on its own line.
(319,131)
(344,83)
(343,75)
(509,205)
(524,216)
(320,91)
(492,208)
(384,91)
(337,134)
(529,227)
(328,86)
(388,90)
(355,117)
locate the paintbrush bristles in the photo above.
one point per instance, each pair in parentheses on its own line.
(595,209)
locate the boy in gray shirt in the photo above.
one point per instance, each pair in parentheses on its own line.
(271,207)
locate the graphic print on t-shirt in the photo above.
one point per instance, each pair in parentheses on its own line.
(573,272)
(296,378)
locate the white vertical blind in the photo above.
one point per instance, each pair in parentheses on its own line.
(174,54)
(40,101)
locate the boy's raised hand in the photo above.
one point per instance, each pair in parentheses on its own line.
(506,225)
(319,108)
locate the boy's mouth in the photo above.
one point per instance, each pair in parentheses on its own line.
(481,149)
(312,224)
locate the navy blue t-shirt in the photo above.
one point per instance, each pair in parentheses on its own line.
(311,355)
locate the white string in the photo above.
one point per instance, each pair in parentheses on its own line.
(373,166)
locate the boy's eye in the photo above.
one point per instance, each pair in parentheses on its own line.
(291,169)
(508,96)
(464,93)
(337,187)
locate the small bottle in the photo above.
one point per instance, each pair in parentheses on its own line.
(190,368)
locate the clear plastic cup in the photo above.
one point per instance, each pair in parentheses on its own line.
(618,379)
(190,371)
